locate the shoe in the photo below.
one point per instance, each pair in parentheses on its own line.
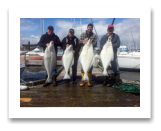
(105,81)
(74,82)
(89,76)
(46,84)
(83,83)
(67,81)
(54,81)
(117,79)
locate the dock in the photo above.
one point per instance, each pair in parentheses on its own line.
(71,95)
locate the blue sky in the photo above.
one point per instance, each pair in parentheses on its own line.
(30,29)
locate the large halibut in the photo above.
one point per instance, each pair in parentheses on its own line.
(86,58)
(50,61)
(106,56)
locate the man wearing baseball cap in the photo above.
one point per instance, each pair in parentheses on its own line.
(71,39)
(116,44)
(44,42)
(88,34)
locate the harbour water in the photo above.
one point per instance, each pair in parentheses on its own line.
(33,73)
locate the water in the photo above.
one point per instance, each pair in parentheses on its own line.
(33,73)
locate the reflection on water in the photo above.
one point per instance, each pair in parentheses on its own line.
(33,73)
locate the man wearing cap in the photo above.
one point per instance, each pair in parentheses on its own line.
(116,44)
(71,39)
(88,34)
(44,42)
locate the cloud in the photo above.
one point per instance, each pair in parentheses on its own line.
(33,39)
(26,24)
(62,27)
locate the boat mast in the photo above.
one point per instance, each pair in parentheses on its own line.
(81,25)
(41,25)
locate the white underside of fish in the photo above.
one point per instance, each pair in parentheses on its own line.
(67,62)
(86,59)
(49,62)
(106,56)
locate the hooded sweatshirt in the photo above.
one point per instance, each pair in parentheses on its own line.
(47,38)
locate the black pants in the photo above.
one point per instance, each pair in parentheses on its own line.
(74,67)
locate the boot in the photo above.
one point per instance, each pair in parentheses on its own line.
(89,75)
(117,79)
(54,81)
(74,82)
(83,83)
(67,81)
(46,84)
(105,81)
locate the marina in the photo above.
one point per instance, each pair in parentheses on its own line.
(37,63)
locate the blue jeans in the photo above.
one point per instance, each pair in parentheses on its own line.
(115,66)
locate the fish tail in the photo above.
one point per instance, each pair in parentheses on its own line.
(105,73)
(49,80)
(66,76)
(85,77)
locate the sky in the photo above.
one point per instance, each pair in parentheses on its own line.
(128,29)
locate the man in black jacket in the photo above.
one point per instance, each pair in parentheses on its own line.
(44,42)
(70,39)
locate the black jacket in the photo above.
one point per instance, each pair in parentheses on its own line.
(47,38)
(73,42)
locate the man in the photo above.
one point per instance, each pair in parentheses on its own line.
(88,34)
(116,44)
(70,39)
(44,42)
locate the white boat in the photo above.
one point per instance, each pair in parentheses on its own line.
(127,60)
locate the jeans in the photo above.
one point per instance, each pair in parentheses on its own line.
(74,67)
(115,66)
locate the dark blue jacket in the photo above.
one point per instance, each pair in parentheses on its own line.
(115,43)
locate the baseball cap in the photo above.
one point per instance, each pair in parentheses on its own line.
(90,25)
(110,26)
(71,30)
(50,27)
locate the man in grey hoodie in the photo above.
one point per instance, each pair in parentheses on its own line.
(116,44)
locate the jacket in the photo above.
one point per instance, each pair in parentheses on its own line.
(66,40)
(47,38)
(85,35)
(115,43)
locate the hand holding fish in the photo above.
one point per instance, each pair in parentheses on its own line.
(85,41)
(52,42)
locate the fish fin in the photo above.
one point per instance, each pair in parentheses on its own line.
(66,76)
(49,80)
(72,62)
(92,62)
(79,60)
(85,77)
(105,73)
